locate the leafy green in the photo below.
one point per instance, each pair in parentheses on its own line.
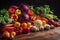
(44,11)
(4,17)
(32,7)
(4,13)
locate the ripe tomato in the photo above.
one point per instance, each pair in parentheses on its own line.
(43,22)
(11,10)
(30,12)
(17,24)
(42,18)
(28,24)
(6,34)
(24,24)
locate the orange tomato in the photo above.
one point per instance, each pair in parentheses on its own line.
(24,24)
(17,24)
(43,22)
(6,34)
(28,24)
(13,33)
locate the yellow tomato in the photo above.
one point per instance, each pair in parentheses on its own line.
(17,24)
(24,24)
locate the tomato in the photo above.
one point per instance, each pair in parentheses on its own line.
(30,12)
(17,24)
(28,24)
(11,10)
(6,34)
(24,24)
(42,18)
(44,22)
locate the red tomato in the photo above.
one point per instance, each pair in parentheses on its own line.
(42,18)
(11,10)
(30,12)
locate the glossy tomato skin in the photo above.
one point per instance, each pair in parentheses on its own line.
(17,24)
(12,9)
(42,18)
(21,30)
(18,30)
(29,24)
(30,12)
(24,25)
(6,34)
(44,22)
(26,30)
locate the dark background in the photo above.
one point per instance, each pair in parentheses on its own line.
(54,4)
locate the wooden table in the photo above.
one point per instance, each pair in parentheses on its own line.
(53,34)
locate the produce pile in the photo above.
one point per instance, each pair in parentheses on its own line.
(24,19)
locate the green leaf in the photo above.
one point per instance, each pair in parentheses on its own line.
(3,21)
(31,7)
(4,13)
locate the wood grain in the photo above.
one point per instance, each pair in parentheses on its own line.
(53,34)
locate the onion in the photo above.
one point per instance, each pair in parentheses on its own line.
(26,16)
(14,6)
(24,7)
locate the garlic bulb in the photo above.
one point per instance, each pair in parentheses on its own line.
(41,28)
(34,28)
(47,27)
(52,26)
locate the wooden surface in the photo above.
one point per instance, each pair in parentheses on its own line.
(53,34)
